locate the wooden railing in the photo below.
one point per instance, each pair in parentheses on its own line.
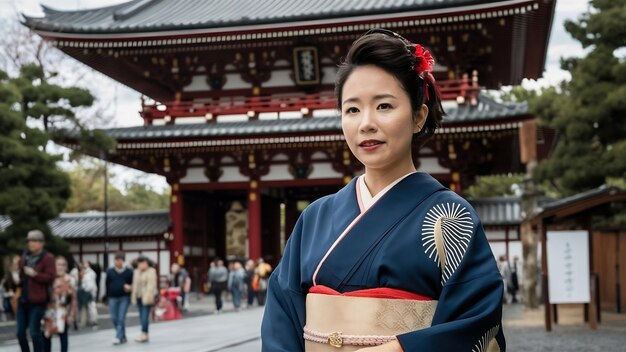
(464,91)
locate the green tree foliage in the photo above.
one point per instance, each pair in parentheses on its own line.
(87,180)
(54,107)
(493,186)
(33,189)
(142,197)
(589,112)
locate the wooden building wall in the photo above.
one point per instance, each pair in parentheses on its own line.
(609,261)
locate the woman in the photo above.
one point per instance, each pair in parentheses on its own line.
(142,294)
(62,307)
(12,287)
(259,283)
(87,294)
(393,260)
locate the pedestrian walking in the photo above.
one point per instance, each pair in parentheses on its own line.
(143,293)
(218,277)
(75,274)
(236,284)
(260,282)
(119,280)
(37,273)
(250,272)
(179,277)
(11,287)
(87,291)
(514,285)
(505,271)
(62,307)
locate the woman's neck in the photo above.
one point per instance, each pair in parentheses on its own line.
(377,179)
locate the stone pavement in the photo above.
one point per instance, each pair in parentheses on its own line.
(229,332)
(239,332)
(525,331)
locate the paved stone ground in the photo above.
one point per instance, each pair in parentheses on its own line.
(525,331)
(200,306)
(201,331)
(208,332)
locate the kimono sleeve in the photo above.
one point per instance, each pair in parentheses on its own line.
(284,317)
(468,316)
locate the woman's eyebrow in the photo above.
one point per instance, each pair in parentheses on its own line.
(351,100)
(376,97)
(383,96)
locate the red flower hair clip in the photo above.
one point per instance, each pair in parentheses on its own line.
(425,61)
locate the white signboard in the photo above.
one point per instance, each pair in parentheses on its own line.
(568,266)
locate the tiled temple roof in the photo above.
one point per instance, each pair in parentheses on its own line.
(162,15)
(119,224)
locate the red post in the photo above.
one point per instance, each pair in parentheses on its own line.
(176,213)
(254,220)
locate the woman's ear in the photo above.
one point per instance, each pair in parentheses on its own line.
(420,119)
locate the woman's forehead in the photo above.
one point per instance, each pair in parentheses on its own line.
(370,82)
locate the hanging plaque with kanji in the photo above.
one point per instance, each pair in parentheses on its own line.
(306,65)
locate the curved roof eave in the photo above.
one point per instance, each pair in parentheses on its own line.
(101,23)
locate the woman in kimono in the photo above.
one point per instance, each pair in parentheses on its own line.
(394,261)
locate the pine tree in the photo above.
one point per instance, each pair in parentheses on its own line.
(589,111)
(33,189)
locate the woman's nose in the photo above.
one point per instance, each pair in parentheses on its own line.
(368,123)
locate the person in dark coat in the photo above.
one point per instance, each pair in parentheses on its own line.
(37,273)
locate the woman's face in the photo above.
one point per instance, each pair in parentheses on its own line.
(61,267)
(377,119)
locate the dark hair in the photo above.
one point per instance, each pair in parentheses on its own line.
(394,54)
(120,255)
(142,259)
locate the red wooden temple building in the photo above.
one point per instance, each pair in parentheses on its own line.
(238,110)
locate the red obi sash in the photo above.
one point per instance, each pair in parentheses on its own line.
(379,292)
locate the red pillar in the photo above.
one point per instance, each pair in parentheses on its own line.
(254,220)
(176,213)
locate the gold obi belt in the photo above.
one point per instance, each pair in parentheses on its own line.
(348,322)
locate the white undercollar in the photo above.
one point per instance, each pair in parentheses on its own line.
(366,197)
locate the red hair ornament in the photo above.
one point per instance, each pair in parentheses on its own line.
(425,61)
(424,67)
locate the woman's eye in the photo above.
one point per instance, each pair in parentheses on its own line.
(352,110)
(384,106)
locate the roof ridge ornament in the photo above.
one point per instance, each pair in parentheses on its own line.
(134,8)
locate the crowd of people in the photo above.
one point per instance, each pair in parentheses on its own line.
(47,298)
(238,282)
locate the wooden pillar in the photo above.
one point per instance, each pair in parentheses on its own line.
(506,241)
(544,274)
(254,220)
(618,290)
(159,257)
(176,213)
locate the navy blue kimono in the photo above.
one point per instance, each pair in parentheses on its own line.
(392,245)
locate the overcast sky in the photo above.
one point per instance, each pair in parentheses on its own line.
(125,102)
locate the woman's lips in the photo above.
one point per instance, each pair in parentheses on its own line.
(370,144)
